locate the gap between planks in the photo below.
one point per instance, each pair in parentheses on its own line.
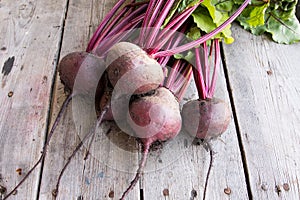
(52,90)
(236,123)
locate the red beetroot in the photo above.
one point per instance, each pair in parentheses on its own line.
(143,73)
(80,72)
(153,118)
(206,119)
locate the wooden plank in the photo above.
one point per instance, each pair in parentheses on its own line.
(264,78)
(29,37)
(179,170)
(107,172)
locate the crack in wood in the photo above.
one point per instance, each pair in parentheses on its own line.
(238,130)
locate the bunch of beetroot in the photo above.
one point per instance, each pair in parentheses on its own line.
(130,70)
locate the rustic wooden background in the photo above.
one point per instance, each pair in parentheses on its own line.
(257,158)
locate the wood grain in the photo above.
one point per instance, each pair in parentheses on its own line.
(264,79)
(27,57)
(263,82)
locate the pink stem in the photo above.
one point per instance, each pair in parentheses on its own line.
(124,23)
(103,24)
(206,67)
(102,48)
(170,30)
(173,73)
(205,37)
(155,13)
(151,25)
(216,67)
(113,23)
(198,75)
(159,22)
(145,25)
(186,83)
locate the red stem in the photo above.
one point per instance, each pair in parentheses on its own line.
(205,37)
(217,61)
(124,25)
(159,22)
(110,26)
(206,67)
(109,42)
(172,75)
(188,78)
(170,30)
(198,75)
(145,25)
(104,22)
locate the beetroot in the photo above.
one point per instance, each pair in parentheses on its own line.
(80,72)
(153,118)
(139,73)
(206,119)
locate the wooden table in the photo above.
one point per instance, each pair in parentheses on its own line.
(257,158)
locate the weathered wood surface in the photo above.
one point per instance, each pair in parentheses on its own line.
(30,32)
(263,86)
(265,82)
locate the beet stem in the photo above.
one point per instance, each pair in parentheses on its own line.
(172,27)
(91,132)
(103,24)
(198,75)
(139,170)
(159,22)
(206,67)
(173,73)
(110,26)
(216,68)
(150,23)
(142,35)
(173,41)
(58,118)
(127,23)
(205,37)
(188,78)
(156,10)
(124,32)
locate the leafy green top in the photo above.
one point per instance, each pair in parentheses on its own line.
(276,17)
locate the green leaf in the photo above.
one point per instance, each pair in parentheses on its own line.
(189,56)
(172,12)
(203,20)
(185,4)
(214,13)
(285,31)
(194,33)
(224,6)
(253,16)
(257,16)
(205,23)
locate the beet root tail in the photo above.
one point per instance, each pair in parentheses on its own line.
(139,171)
